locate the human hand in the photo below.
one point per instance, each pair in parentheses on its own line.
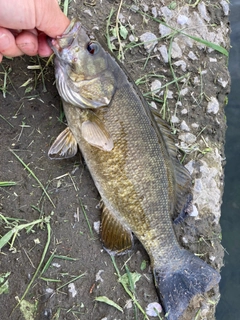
(24,25)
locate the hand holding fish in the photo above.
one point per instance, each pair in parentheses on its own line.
(25,24)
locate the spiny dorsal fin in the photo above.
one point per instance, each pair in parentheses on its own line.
(181,179)
(115,237)
(65,146)
(95,133)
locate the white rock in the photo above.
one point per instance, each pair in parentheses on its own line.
(145,7)
(190,166)
(182,64)
(212,59)
(184,239)
(176,50)
(184,111)
(72,289)
(154,12)
(98,276)
(164,53)
(195,125)
(155,86)
(146,37)
(212,258)
(192,56)
(96,226)
(175,119)
(194,212)
(129,304)
(181,19)
(121,18)
(49,290)
(170,94)
(164,31)
(166,12)
(184,126)
(87,11)
(153,105)
(152,308)
(183,92)
(196,80)
(132,38)
(222,82)
(213,106)
(203,11)
(56,265)
(188,138)
(225,6)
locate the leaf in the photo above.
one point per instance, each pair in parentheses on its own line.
(135,276)
(28,309)
(123,32)
(143,265)
(4,285)
(4,240)
(109,302)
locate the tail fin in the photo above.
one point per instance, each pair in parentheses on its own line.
(180,280)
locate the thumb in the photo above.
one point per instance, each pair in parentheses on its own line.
(50,19)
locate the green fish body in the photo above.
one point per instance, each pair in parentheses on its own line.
(132,159)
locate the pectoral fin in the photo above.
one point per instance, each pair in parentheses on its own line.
(116,238)
(95,133)
(65,146)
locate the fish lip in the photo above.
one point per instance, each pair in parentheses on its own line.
(69,35)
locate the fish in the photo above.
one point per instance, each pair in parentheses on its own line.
(131,155)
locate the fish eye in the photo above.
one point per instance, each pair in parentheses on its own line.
(92,47)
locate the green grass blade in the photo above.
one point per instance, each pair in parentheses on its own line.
(7,183)
(34,176)
(109,302)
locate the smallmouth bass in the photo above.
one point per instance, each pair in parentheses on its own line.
(131,156)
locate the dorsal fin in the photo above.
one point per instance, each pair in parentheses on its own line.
(116,238)
(181,177)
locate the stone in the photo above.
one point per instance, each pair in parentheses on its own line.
(213,106)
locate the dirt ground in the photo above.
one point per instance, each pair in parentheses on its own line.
(30,119)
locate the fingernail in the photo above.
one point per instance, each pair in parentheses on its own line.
(4,41)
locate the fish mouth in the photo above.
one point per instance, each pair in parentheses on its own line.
(66,39)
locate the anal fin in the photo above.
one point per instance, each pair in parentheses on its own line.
(116,238)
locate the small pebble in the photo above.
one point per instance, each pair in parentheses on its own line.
(213,106)
(156,86)
(183,92)
(175,119)
(146,37)
(194,212)
(182,64)
(154,12)
(153,309)
(184,126)
(181,19)
(192,56)
(188,138)
(184,111)
(176,50)
(164,53)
